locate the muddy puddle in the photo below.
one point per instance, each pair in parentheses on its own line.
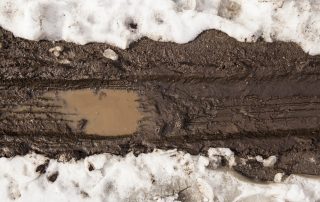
(103,112)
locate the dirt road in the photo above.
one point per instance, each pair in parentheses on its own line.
(255,98)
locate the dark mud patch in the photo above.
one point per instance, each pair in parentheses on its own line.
(53,177)
(255,98)
(42,169)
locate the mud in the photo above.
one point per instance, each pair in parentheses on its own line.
(255,98)
(102,112)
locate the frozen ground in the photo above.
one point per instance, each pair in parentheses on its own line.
(157,176)
(119,22)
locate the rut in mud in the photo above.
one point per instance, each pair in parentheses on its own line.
(255,98)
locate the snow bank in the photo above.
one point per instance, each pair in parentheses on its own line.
(119,22)
(157,176)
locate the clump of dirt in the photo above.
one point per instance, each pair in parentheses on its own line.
(43,167)
(53,177)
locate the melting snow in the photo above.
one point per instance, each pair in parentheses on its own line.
(119,22)
(157,176)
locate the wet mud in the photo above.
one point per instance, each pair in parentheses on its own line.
(255,98)
(99,112)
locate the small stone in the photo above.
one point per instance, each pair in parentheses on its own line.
(110,54)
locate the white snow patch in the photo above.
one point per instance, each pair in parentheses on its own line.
(120,22)
(157,176)
(268,162)
(278,177)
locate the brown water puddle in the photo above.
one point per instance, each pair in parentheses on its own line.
(105,113)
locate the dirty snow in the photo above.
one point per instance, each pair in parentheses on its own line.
(157,176)
(120,22)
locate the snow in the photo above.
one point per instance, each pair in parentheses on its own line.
(157,176)
(110,54)
(278,177)
(269,162)
(120,22)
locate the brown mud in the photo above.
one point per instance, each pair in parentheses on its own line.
(255,98)
(100,112)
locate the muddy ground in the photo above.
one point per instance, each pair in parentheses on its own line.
(255,98)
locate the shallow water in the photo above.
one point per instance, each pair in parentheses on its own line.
(103,112)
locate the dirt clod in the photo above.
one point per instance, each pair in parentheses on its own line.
(53,177)
(84,194)
(91,167)
(43,167)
